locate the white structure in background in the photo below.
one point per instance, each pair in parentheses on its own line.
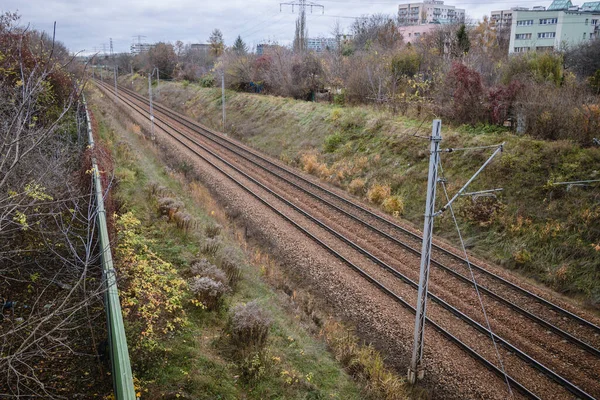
(137,48)
(322,44)
(429,12)
(560,25)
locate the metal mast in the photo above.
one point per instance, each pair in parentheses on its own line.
(112,54)
(416,371)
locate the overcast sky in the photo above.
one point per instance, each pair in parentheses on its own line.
(85,26)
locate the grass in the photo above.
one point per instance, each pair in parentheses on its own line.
(193,361)
(356,148)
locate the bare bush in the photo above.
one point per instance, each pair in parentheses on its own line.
(211,246)
(231,262)
(212,230)
(169,206)
(249,325)
(205,268)
(208,291)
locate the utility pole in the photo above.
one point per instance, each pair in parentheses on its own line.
(150,98)
(415,370)
(115,72)
(223,96)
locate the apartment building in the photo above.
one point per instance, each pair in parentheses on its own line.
(503,18)
(429,12)
(322,44)
(558,26)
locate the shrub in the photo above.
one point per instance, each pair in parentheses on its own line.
(249,325)
(356,186)
(212,230)
(211,246)
(309,163)
(208,291)
(377,193)
(393,205)
(332,142)
(203,268)
(184,221)
(231,261)
(482,211)
(169,206)
(207,81)
(465,89)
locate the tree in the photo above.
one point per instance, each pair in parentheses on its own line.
(378,30)
(463,44)
(301,34)
(239,47)
(47,250)
(217,44)
(164,58)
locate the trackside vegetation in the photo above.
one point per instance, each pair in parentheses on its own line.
(205,314)
(546,232)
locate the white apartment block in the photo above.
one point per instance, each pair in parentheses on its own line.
(429,12)
(560,25)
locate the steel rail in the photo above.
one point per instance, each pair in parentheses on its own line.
(454,273)
(504,281)
(589,348)
(524,356)
(362,272)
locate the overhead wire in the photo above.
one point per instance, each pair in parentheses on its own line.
(466,255)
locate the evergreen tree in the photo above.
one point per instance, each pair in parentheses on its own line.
(462,40)
(239,47)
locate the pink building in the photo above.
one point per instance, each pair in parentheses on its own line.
(412,33)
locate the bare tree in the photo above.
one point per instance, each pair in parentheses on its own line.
(49,272)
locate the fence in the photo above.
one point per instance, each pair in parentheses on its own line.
(117,343)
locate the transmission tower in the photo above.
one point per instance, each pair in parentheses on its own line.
(302,5)
(139,38)
(300,37)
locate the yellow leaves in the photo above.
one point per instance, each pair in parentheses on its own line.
(37,192)
(19,83)
(152,291)
(21,219)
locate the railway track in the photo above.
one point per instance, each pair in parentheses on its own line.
(367,241)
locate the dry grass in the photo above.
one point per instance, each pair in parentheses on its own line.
(357,186)
(393,205)
(378,193)
(364,363)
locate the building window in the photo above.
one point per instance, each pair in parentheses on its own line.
(586,21)
(544,48)
(546,35)
(548,21)
(523,36)
(525,22)
(584,35)
(594,22)
(521,49)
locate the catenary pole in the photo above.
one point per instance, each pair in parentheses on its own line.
(415,370)
(223,96)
